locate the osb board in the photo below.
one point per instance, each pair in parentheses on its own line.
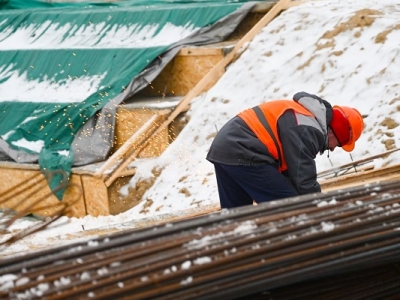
(96,196)
(118,203)
(182,74)
(206,50)
(129,121)
(74,198)
(191,64)
(38,198)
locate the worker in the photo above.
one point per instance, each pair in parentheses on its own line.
(267,152)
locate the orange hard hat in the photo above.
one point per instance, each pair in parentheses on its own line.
(347,125)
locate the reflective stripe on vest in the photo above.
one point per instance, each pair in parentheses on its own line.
(271,110)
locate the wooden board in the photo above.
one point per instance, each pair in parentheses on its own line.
(47,203)
(181,74)
(85,195)
(129,120)
(201,51)
(96,196)
(191,63)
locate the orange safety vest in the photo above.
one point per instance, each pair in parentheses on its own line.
(264,118)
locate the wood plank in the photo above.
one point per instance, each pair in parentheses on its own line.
(96,196)
(74,198)
(38,198)
(18,166)
(201,51)
(181,74)
(124,163)
(111,161)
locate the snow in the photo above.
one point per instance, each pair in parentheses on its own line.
(46,91)
(325,203)
(35,146)
(202,260)
(327,226)
(187,280)
(322,47)
(68,37)
(55,36)
(186,265)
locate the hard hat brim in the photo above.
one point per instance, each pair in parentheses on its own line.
(349,147)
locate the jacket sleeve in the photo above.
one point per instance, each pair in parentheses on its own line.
(300,145)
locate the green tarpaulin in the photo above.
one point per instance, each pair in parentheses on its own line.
(65,67)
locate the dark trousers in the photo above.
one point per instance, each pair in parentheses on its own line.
(240,185)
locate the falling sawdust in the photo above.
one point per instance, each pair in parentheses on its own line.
(136,193)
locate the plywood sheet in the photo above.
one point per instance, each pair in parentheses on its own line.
(129,122)
(96,196)
(74,198)
(184,72)
(27,190)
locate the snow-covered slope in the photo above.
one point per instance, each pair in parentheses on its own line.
(344,51)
